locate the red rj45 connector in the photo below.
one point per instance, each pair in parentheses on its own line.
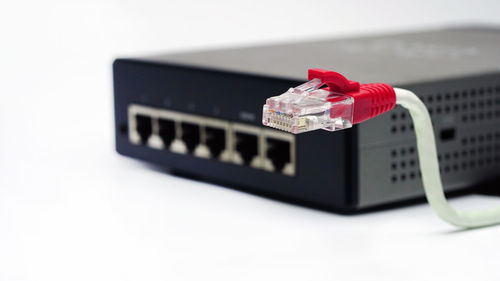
(327,101)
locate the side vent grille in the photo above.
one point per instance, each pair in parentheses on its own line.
(469,152)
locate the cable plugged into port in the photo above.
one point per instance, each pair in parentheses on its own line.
(211,138)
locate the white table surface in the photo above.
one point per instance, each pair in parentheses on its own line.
(72,209)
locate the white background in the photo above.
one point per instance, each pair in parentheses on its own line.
(72,209)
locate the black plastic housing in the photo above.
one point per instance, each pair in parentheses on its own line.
(373,164)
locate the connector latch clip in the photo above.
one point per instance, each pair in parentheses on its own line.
(335,81)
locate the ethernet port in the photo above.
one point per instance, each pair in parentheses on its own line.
(246,146)
(215,140)
(166,131)
(143,127)
(190,135)
(278,151)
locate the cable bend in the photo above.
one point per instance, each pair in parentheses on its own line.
(429,168)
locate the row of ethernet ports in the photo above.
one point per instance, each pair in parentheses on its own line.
(211,138)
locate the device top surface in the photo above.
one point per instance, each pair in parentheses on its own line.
(402,58)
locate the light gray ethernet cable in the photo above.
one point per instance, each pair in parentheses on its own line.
(429,167)
(330,101)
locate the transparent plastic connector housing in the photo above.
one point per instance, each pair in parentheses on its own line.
(307,107)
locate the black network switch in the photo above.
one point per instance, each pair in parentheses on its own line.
(199,114)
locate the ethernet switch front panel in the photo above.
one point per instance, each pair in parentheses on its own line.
(199,115)
(212,138)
